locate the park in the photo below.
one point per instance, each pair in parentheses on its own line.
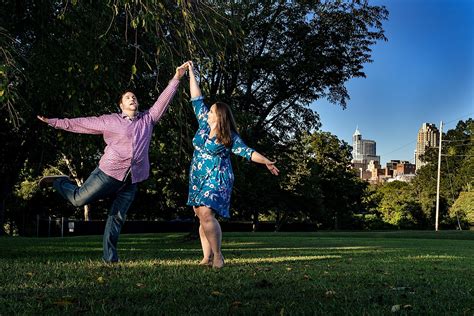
(203,129)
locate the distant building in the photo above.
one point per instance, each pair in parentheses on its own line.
(391,166)
(404,168)
(399,167)
(428,136)
(363,151)
(375,171)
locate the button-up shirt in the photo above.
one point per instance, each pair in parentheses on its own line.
(128,141)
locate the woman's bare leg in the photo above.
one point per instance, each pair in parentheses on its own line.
(212,231)
(206,247)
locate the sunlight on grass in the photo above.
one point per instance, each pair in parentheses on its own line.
(157,263)
(193,262)
(237,244)
(433,257)
(301,248)
(283,259)
(273,249)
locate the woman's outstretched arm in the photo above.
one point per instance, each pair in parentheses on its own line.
(259,158)
(241,149)
(193,84)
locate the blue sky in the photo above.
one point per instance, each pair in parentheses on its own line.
(423,73)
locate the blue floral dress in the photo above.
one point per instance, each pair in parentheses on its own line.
(210,176)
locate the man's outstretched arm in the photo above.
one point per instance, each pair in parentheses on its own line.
(82,125)
(161,104)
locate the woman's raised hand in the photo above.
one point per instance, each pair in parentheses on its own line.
(194,89)
(191,66)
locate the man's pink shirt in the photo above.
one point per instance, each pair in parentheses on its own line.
(128,141)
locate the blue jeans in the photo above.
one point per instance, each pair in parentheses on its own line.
(97,186)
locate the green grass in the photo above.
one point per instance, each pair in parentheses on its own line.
(335,273)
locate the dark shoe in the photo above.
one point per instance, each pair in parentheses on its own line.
(47,181)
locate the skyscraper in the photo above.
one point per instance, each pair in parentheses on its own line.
(428,136)
(363,151)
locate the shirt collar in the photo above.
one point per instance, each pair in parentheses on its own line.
(125,116)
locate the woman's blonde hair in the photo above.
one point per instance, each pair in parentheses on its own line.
(225,124)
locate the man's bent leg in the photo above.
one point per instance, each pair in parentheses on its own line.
(97,186)
(116,219)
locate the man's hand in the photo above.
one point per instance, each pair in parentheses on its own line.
(181,70)
(42,118)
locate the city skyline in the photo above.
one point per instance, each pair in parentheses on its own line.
(422,74)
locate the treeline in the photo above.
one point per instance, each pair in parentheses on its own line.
(268,59)
(413,205)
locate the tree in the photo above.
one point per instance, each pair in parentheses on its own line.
(341,188)
(268,59)
(11,79)
(318,184)
(292,54)
(463,208)
(76,58)
(399,207)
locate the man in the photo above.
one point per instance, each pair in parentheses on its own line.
(125,162)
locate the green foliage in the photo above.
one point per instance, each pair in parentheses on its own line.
(464,207)
(26,190)
(290,54)
(407,205)
(341,189)
(319,178)
(457,171)
(398,206)
(11,77)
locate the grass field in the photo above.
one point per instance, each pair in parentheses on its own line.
(333,273)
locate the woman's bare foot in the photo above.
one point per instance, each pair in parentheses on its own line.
(206,261)
(218,262)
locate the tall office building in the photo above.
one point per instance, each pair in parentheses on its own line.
(428,136)
(363,151)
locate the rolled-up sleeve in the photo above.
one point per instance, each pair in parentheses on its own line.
(240,148)
(200,110)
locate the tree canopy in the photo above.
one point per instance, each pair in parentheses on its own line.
(268,59)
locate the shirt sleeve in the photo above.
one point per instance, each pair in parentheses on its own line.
(161,104)
(200,110)
(240,148)
(83,125)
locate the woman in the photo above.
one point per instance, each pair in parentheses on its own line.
(211,177)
